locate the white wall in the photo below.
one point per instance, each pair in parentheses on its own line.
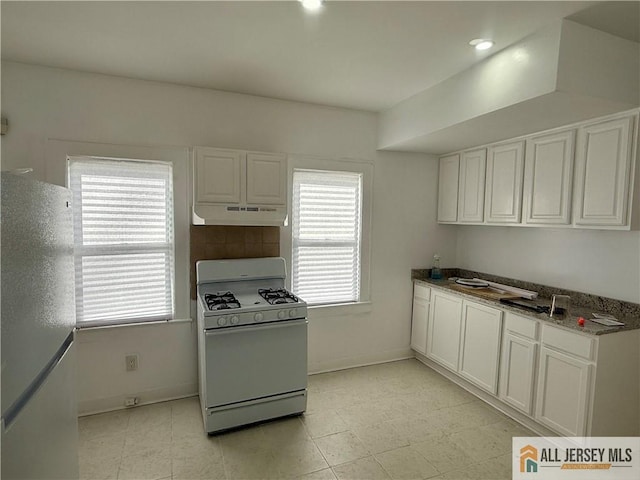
(43,103)
(599,262)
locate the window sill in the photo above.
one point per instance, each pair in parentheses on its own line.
(132,324)
(341,309)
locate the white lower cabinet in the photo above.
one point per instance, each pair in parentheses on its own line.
(572,383)
(443,333)
(420,318)
(480,345)
(563,391)
(519,362)
(564,381)
(517,372)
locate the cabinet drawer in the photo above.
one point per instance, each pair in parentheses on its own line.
(522,326)
(421,291)
(572,343)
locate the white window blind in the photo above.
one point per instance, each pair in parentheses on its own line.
(124,242)
(326,227)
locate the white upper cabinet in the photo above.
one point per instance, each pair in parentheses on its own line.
(218,176)
(266,178)
(236,187)
(548,179)
(448,188)
(471,193)
(603,173)
(504,183)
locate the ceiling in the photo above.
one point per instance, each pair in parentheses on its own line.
(362,55)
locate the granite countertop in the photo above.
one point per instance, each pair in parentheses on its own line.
(624,312)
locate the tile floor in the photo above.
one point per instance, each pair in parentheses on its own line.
(398,420)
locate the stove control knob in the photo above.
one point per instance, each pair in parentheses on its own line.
(234,320)
(292,312)
(222,321)
(258,317)
(282,314)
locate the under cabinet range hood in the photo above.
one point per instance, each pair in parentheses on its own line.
(237,187)
(247,215)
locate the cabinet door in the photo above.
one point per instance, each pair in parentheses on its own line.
(517,372)
(563,392)
(471,193)
(266,179)
(603,172)
(420,318)
(548,178)
(480,345)
(504,183)
(443,332)
(448,188)
(217,176)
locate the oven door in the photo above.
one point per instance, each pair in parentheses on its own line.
(253,362)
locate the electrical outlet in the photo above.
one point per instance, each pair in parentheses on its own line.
(131,401)
(131,362)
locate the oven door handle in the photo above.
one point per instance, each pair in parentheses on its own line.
(253,328)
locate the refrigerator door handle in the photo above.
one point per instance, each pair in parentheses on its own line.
(14,410)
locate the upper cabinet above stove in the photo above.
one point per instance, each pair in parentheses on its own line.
(236,187)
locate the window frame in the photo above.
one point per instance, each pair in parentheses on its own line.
(366,169)
(117,249)
(56,173)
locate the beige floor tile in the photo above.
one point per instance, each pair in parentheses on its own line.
(324,423)
(198,468)
(246,442)
(284,432)
(341,448)
(460,417)
(405,463)
(148,466)
(476,443)
(413,421)
(365,468)
(418,429)
(154,439)
(195,446)
(325,474)
(252,466)
(99,468)
(103,424)
(148,416)
(443,453)
(103,446)
(380,437)
(298,458)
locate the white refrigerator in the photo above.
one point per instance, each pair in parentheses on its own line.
(39,431)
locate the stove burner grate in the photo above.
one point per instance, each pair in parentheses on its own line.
(276,296)
(221,301)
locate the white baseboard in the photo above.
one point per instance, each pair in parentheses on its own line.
(116,402)
(343,363)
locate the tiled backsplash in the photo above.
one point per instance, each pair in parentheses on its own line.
(216,242)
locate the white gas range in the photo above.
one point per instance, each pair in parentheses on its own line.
(252,343)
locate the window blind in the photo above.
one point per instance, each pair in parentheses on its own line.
(123,239)
(326,229)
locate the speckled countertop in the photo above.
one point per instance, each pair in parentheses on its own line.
(582,305)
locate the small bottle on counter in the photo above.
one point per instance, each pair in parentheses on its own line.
(436,274)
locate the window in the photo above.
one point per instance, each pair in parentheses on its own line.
(123,240)
(326,236)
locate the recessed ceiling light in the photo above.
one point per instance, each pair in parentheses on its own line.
(311,4)
(481,43)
